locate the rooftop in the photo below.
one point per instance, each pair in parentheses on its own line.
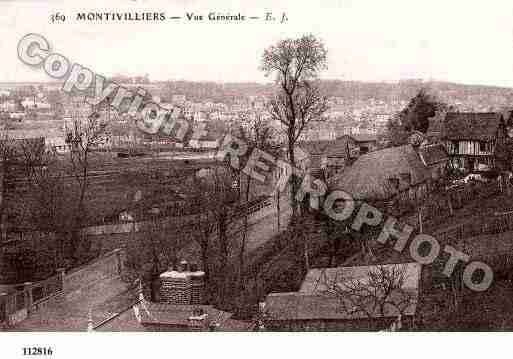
(481,126)
(370,176)
(433,154)
(313,301)
(364,137)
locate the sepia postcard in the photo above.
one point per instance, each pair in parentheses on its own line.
(253,166)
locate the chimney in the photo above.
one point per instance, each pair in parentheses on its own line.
(184,266)
(182,286)
(198,319)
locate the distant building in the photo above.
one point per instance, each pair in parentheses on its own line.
(366,142)
(325,158)
(8,106)
(178,99)
(35,105)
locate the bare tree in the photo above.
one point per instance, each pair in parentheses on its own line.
(44,177)
(204,221)
(257,134)
(218,202)
(7,153)
(375,296)
(296,64)
(47,207)
(84,135)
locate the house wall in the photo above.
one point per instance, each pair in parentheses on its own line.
(470,148)
(363,324)
(472,156)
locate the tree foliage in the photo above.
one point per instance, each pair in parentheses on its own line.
(414,117)
(295,65)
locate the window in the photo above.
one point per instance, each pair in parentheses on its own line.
(454,148)
(482,146)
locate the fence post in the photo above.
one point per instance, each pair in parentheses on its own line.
(61,272)
(4,315)
(28,295)
(119,260)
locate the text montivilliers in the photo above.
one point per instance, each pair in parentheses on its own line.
(121,16)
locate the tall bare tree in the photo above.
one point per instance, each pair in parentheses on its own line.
(296,64)
(83,136)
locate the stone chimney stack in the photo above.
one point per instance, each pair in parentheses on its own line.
(183,286)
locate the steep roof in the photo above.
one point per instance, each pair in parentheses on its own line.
(480,126)
(370,176)
(433,154)
(313,302)
(329,148)
(364,137)
(314,283)
(178,315)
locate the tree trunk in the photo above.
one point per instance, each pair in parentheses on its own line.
(240,286)
(293,179)
(204,257)
(305,248)
(155,270)
(278,208)
(420,220)
(3,201)
(223,247)
(244,237)
(80,212)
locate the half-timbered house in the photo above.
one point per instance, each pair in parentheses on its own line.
(473,139)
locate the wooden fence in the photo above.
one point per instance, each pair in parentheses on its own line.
(29,297)
(438,207)
(473,228)
(16,306)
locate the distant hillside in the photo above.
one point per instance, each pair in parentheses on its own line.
(460,95)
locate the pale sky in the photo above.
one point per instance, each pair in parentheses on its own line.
(464,41)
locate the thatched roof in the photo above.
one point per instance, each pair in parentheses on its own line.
(381,174)
(479,126)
